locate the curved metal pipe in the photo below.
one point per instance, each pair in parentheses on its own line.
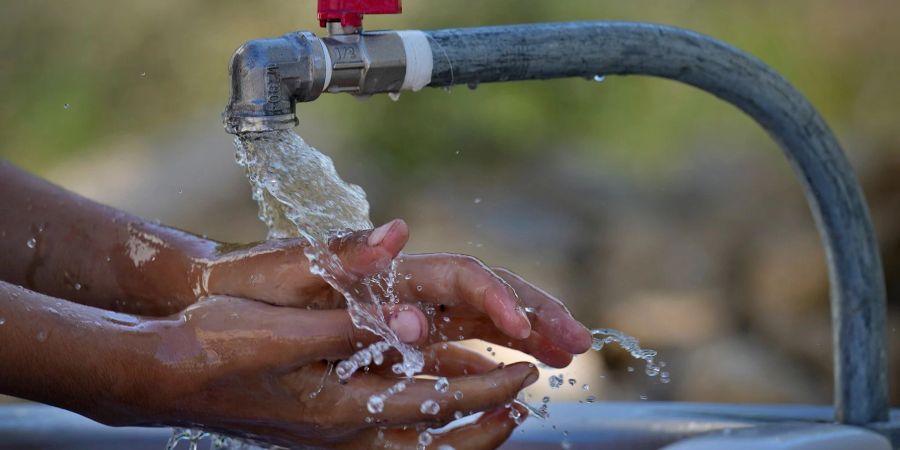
(584,49)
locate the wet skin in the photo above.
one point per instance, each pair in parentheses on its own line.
(236,338)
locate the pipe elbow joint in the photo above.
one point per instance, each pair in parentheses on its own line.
(268,77)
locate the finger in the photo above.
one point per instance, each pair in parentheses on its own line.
(277,271)
(454,325)
(371,251)
(551,317)
(444,360)
(479,393)
(290,337)
(459,279)
(407,322)
(491,430)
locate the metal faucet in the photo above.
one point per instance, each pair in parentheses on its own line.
(268,77)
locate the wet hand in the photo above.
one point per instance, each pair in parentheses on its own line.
(488,304)
(245,367)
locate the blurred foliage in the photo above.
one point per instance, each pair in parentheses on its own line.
(142,66)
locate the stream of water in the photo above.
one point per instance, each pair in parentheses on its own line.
(300,195)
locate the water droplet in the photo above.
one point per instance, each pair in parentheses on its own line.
(458,415)
(643,396)
(457,152)
(489,349)
(565,445)
(430,407)
(441,384)
(31,243)
(375,404)
(546,399)
(395,96)
(477,200)
(585,387)
(599,78)
(590,399)
(42,336)
(143,74)
(67,106)
(556,381)
(458,395)
(572,382)
(425,439)
(514,414)
(344,369)
(630,369)
(419,288)
(2,321)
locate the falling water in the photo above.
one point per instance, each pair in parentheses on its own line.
(604,336)
(300,195)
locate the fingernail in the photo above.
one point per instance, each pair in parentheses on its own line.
(532,378)
(379,233)
(525,332)
(406,325)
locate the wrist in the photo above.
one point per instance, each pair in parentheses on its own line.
(101,364)
(143,390)
(165,270)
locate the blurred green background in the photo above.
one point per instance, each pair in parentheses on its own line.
(646,205)
(140,66)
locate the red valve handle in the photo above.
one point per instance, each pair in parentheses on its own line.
(350,12)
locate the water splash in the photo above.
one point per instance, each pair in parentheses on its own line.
(192,437)
(604,336)
(300,195)
(601,338)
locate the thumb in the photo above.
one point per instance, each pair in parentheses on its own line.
(250,334)
(331,334)
(371,251)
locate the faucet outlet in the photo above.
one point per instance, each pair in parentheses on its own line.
(269,76)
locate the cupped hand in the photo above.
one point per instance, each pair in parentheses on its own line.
(260,371)
(486,303)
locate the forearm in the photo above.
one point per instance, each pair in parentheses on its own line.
(77,357)
(64,245)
